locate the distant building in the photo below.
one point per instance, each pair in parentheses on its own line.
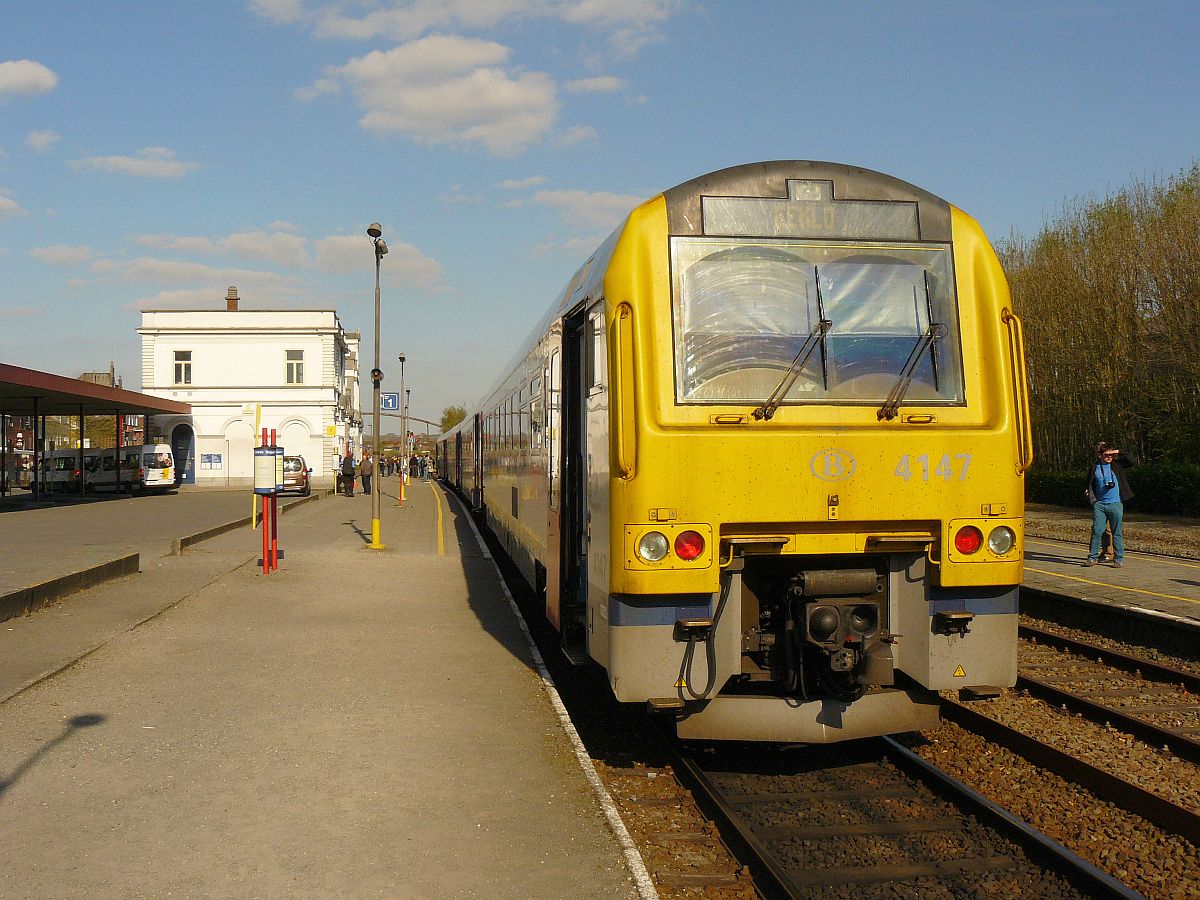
(243,370)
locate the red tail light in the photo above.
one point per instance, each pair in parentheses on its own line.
(689,545)
(968,540)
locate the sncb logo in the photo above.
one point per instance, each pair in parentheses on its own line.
(832,465)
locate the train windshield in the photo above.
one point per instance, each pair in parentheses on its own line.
(847,314)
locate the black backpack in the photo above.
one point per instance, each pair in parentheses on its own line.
(348,466)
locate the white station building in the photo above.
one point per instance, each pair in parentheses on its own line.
(243,370)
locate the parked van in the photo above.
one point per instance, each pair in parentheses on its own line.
(143,467)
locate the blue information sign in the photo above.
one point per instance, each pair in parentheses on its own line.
(389,402)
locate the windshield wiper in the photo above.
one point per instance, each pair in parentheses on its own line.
(815,338)
(934,333)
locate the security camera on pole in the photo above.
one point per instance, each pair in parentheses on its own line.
(376,235)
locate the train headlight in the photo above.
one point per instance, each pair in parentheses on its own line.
(1001,540)
(863,619)
(653,546)
(689,545)
(823,623)
(968,540)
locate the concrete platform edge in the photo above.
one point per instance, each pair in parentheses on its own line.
(26,600)
(633,858)
(1148,615)
(180,544)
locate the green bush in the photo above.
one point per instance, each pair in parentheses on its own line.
(1167,487)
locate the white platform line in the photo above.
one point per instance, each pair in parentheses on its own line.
(637,867)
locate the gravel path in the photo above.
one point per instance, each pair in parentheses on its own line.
(1172,535)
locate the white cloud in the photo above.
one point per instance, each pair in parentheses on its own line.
(150,162)
(345,254)
(41,141)
(577,135)
(10,208)
(201,286)
(282,11)
(282,249)
(182,243)
(520,185)
(604,84)
(21,312)
(631,24)
(450,90)
(456,197)
(25,78)
(62,254)
(265,246)
(596,210)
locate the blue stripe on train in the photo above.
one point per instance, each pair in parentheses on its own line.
(655,610)
(983,601)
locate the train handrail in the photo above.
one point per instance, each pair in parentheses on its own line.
(1016,351)
(625,421)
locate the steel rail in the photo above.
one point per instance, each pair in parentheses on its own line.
(773,879)
(1097,882)
(770,877)
(1151,807)
(1148,669)
(1128,720)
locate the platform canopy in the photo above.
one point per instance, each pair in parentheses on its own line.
(24,392)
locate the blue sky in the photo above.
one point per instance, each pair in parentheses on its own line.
(151,154)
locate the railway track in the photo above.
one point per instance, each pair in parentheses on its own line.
(1156,703)
(1115,690)
(872,818)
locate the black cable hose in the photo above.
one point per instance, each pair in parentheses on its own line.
(685,667)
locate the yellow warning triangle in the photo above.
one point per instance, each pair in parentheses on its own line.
(681,683)
(959,673)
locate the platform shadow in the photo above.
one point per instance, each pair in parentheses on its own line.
(86,720)
(1037,556)
(366,538)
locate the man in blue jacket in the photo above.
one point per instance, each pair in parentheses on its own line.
(1108,489)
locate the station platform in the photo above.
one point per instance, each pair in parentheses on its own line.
(358,723)
(1152,585)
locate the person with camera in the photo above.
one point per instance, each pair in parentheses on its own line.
(1107,490)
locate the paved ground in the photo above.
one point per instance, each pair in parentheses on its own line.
(1148,582)
(44,543)
(359,724)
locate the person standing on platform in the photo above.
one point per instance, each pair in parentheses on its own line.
(348,475)
(1107,490)
(366,470)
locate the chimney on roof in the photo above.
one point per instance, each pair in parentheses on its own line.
(231,299)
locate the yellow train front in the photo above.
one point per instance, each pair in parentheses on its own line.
(765,455)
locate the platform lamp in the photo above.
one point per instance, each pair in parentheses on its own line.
(403,451)
(376,235)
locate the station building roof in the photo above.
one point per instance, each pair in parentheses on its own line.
(57,395)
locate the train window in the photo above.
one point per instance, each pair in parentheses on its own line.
(535,422)
(597,356)
(744,310)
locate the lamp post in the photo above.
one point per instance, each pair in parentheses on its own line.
(403,441)
(407,397)
(376,235)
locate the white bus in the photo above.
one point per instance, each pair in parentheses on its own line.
(145,467)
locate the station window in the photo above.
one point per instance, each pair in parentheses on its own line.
(295,366)
(183,366)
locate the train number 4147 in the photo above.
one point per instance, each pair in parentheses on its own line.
(949,468)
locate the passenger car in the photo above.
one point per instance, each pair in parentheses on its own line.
(297,476)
